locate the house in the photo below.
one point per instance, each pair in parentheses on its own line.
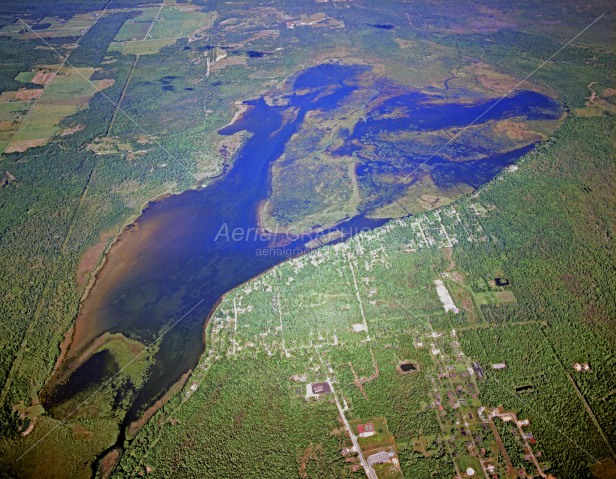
(321,388)
(478,370)
(581,367)
(366,430)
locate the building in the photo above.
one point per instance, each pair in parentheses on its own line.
(499,366)
(366,430)
(478,370)
(380,457)
(581,367)
(321,388)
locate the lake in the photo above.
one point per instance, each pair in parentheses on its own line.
(186,251)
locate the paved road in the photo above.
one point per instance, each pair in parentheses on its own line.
(367,467)
(521,431)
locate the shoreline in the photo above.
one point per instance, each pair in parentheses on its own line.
(67,341)
(86,353)
(133,222)
(130,223)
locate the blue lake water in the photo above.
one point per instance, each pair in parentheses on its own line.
(181,252)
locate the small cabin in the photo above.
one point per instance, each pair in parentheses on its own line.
(321,388)
(581,367)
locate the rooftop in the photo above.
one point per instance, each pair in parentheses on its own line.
(321,388)
(380,457)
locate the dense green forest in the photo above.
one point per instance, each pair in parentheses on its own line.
(537,244)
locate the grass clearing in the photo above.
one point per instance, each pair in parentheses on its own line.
(52,27)
(132,31)
(180,22)
(495,298)
(141,47)
(172,22)
(136,28)
(11,114)
(81,20)
(25,77)
(65,95)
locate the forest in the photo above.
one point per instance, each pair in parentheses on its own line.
(539,337)
(358,308)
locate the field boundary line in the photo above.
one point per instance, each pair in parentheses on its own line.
(37,311)
(64,61)
(122,95)
(154,21)
(121,110)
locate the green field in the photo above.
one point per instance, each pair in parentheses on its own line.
(137,27)
(170,22)
(25,77)
(495,298)
(179,22)
(69,91)
(141,47)
(155,28)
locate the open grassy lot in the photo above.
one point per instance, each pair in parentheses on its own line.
(11,115)
(137,27)
(155,28)
(25,77)
(141,47)
(69,91)
(179,21)
(50,27)
(495,298)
